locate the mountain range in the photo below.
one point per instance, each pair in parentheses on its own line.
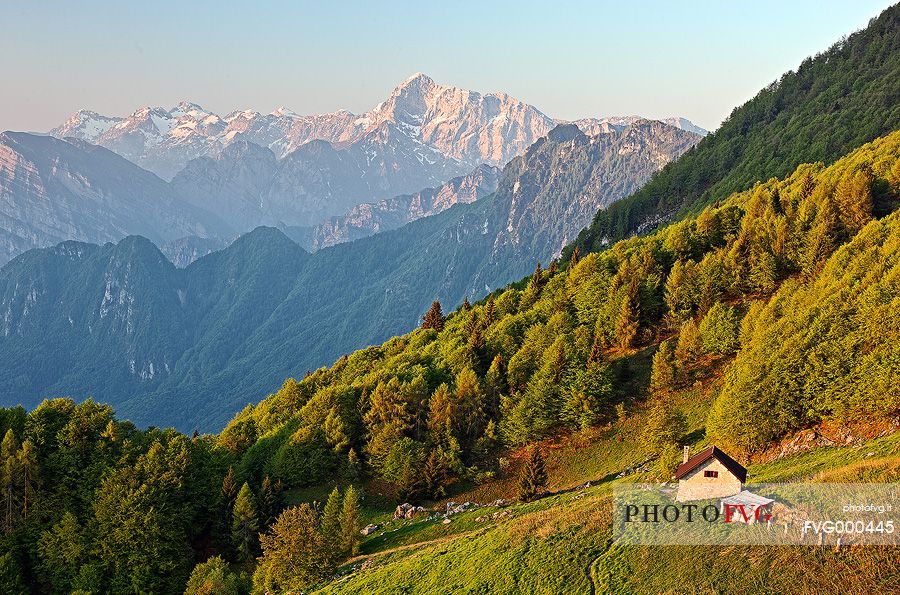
(235,321)
(442,128)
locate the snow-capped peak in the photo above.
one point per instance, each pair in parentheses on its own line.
(428,119)
(283,112)
(188,108)
(85,125)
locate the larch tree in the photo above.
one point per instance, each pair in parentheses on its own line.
(434,318)
(28,466)
(573,259)
(331,525)
(245,524)
(229,490)
(533,477)
(854,196)
(350,522)
(627,324)
(268,506)
(665,426)
(663,371)
(689,345)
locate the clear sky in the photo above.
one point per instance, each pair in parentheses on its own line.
(697,59)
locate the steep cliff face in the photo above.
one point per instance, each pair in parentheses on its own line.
(549,194)
(370,218)
(54,190)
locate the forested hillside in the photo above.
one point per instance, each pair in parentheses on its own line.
(553,353)
(86,495)
(188,347)
(831,104)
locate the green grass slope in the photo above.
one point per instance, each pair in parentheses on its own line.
(563,544)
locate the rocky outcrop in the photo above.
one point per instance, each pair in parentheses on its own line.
(407,511)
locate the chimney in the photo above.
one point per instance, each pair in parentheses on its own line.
(686,455)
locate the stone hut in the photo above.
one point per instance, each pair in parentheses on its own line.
(709,474)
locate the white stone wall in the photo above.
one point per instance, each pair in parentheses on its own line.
(694,486)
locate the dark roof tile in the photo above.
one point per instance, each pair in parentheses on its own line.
(701,457)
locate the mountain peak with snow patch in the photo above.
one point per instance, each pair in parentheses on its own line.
(420,117)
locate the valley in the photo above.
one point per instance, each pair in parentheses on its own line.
(425,347)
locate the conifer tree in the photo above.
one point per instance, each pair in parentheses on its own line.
(663,372)
(689,345)
(441,414)
(331,525)
(434,475)
(627,324)
(573,259)
(683,288)
(854,196)
(533,477)
(664,427)
(537,277)
(353,466)
(596,355)
(350,522)
(434,318)
(821,239)
(229,488)
(466,305)
(479,348)
(268,507)
(30,475)
(468,414)
(763,272)
(554,268)
(245,524)
(495,385)
(489,311)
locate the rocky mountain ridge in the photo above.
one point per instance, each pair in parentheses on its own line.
(437,122)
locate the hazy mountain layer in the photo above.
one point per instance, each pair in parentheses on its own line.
(189,346)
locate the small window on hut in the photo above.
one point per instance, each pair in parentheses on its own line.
(710,474)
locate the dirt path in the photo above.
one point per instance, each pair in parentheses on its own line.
(418,544)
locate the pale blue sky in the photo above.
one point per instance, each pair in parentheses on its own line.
(697,59)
